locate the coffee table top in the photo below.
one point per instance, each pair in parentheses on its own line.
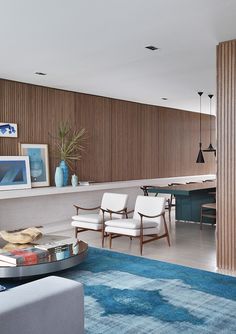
(52,264)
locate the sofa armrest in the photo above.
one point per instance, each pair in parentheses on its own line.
(48,305)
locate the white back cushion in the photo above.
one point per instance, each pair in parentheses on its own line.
(114,202)
(150,206)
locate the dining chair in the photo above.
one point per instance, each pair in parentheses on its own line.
(94,221)
(208,210)
(148,221)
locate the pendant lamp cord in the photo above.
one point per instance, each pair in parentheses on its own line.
(210,96)
(200,119)
(200,94)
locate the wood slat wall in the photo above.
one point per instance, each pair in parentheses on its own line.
(226,156)
(126,140)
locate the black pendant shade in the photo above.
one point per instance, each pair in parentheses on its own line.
(200,158)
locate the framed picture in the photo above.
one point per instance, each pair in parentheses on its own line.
(38,159)
(8,130)
(14,172)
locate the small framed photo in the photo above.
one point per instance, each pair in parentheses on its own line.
(14,172)
(39,166)
(8,130)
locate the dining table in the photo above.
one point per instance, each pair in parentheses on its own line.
(188,198)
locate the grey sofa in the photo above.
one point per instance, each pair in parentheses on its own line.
(46,306)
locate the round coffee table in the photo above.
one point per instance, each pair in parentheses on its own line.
(46,267)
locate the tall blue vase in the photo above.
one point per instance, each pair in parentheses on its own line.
(65,171)
(59,177)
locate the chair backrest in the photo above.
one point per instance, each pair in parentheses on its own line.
(114,202)
(150,206)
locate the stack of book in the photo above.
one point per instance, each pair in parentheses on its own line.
(40,253)
(24,257)
(60,250)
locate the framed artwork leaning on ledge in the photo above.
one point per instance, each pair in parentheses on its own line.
(39,166)
(14,172)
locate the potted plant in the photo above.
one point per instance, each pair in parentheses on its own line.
(69,145)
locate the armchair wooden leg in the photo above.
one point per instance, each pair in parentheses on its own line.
(110,240)
(201,220)
(102,239)
(170,214)
(141,245)
(76,232)
(169,210)
(168,239)
(166,230)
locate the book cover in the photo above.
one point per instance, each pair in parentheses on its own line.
(19,257)
(27,256)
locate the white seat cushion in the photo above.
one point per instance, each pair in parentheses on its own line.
(130,223)
(90,226)
(131,232)
(94,218)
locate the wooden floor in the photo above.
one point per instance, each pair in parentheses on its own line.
(189,246)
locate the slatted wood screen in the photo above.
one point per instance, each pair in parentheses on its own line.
(126,140)
(226,155)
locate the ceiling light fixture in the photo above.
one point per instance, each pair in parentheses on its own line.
(151,47)
(210,147)
(40,73)
(200,158)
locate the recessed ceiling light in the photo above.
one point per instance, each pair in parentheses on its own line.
(40,73)
(164,98)
(151,47)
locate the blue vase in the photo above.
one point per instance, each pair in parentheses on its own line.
(65,171)
(59,177)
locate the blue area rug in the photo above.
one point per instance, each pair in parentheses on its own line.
(129,294)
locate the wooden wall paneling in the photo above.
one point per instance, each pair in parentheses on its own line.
(193,148)
(149,142)
(58,107)
(187,151)
(94,114)
(168,142)
(126,140)
(163,134)
(38,112)
(226,157)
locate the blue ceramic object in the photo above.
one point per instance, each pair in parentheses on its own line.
(65,170)
(59,177)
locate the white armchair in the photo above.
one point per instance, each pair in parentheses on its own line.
(95,221)
(148,220)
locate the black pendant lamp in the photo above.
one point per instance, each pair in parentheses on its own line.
(210,147)
(200,158)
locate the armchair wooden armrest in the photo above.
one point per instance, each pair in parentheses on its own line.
(120,212)
(146,216)
(86,209)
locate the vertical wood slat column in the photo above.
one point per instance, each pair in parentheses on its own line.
(226,157)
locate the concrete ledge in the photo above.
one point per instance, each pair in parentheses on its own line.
(106,186)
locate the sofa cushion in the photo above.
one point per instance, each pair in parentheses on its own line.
(94,218)
(90,226)
(130,223)
(131,232)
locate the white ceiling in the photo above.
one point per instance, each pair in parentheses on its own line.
(98,46)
